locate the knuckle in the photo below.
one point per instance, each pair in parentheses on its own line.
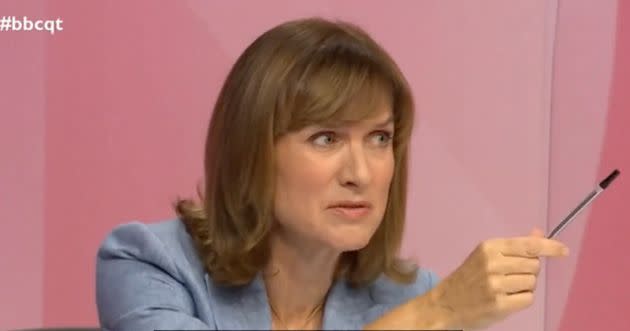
(501,304)
(490,266)
(487,247)
(494,284)
(483,247)
(531,249)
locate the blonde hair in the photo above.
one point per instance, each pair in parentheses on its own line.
(302,72)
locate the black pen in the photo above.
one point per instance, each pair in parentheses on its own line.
(587,201)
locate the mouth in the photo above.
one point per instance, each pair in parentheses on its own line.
(350,209)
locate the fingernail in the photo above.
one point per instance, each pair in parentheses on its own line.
(565,251)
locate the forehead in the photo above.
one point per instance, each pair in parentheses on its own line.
(329,104)
(383,116)
(372,110)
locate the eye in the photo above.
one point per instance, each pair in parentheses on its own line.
(382,138)
(324,139)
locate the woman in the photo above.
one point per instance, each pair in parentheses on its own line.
(302,213)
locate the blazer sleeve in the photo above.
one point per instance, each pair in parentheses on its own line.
(432,278)
(137,287)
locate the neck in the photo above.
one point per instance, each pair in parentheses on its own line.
(298,277)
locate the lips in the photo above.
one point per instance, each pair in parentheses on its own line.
(350,204)
(351,209)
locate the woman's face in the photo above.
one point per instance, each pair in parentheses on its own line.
(332,183)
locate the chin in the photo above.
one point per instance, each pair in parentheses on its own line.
(350,244)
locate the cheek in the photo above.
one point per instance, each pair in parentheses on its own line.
(384,173)
(300,191)
(304,181)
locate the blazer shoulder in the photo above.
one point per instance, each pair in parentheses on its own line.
(165,244)
(144,280)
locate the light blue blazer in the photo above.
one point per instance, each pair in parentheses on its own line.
(150,277)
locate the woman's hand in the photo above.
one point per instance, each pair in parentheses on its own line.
(497,279)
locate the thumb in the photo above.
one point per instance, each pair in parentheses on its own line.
(536,232)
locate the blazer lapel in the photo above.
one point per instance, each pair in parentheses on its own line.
(350,308)
(240,308)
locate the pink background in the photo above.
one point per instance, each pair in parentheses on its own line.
(522,108)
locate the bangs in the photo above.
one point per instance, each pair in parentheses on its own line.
(335,88)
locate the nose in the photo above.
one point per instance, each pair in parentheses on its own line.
(355,171)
